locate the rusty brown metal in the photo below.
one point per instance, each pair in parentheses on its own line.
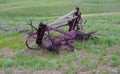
(43,38)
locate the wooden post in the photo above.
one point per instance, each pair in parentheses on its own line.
(70,13)
(56,22)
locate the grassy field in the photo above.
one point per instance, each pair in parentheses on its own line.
(102,57)
(55,7)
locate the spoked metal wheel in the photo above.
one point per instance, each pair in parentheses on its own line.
(31,41)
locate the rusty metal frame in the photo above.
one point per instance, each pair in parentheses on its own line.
(75,32)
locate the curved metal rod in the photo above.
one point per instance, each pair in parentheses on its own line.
(26,42)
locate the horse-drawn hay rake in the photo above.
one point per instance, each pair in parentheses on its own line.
(42,36)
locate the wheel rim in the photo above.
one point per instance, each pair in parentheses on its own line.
(31,41)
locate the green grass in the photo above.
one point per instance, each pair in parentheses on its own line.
(12,41)
(89,56)
(55,7)
(108,33)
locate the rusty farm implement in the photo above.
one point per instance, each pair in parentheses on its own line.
(42,36)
